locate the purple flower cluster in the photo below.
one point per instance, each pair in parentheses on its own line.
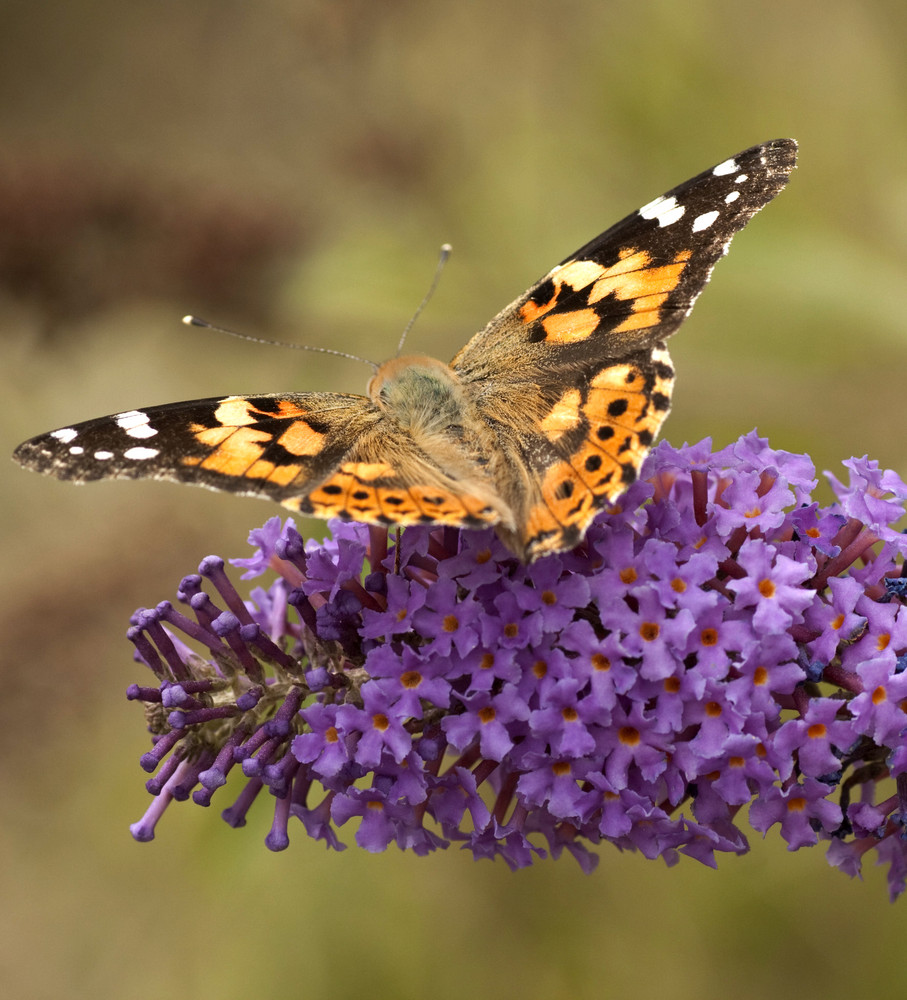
(719,640)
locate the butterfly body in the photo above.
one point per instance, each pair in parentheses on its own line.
(542,419)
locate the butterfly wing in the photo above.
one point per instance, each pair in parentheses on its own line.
(324,454)
(574,377)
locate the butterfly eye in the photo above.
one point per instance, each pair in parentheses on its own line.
(376,390)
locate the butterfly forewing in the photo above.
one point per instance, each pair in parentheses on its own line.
(636,282)
(269,444)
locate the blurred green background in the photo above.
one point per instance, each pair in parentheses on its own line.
(291,169)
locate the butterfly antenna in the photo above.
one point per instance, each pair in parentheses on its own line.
(196,321)
(445,253)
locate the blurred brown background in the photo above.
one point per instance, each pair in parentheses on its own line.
(291,169)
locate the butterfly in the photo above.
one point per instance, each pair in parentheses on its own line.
(540,421)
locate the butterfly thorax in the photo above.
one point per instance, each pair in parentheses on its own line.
(448,444)
(423,395)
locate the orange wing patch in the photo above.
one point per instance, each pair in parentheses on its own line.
(571,327)
(576,274)
(623,410)
(564,416)
(355,492)
(622,401)
(302,439)
(567,495)
(632,279)
(648,290)
(236,411)
(281,475)
(234,448)
(530,311)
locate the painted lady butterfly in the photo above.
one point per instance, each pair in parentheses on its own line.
(541,419)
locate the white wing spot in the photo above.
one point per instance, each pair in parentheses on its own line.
(142,431)
(731,196)
(76,450)
(704,221)
(129,418)
(140,454)
(727,167)
(135,424)
(65,434)
(103,456)
(665,210)
(741,178)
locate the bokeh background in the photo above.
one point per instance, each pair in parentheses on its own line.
(290,168)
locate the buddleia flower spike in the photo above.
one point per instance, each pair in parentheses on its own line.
(722,647)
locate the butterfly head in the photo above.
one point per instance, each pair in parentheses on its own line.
(419,391)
